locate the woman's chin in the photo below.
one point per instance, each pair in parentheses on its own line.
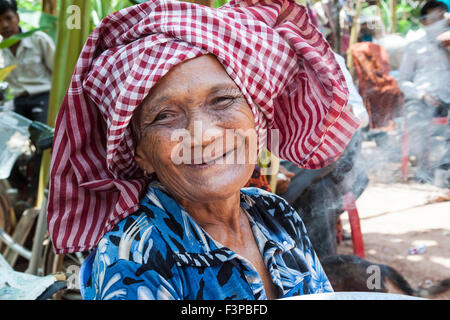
(213,185)
(213,191)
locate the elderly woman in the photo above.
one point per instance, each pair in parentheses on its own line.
(145,172)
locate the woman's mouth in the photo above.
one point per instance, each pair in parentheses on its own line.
(206,163)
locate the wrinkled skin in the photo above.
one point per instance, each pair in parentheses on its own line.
(199,91)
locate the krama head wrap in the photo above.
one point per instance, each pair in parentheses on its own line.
(278,59)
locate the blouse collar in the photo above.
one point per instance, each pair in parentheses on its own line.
(192,245)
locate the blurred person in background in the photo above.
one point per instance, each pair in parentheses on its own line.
(424,78)
(318,194)
(30,81)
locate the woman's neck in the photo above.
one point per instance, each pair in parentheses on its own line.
(224,214)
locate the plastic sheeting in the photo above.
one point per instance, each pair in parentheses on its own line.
(14,139)
(21,286)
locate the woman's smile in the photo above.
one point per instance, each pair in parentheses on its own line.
(216,127)
(208,161)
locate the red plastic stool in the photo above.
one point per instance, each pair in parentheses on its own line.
(349,205)
(405,152)
(405,144)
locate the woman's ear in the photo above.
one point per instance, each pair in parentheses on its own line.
(143,161)
(139,154)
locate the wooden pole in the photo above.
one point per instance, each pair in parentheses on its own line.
(50,7)
(394,16)
(380,15)
(337,21)
(209,3)
(270,166)
(354,36)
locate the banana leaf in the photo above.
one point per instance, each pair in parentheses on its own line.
(219,3)
(69,44)
(8,42)
(102,8)
(31,20)
(30,5)
(137,1)
(5,71)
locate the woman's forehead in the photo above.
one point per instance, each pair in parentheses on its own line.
(201,75)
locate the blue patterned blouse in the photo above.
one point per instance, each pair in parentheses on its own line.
(160,252)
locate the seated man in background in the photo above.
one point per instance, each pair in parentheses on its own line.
(424,78)
(318,194)
(30,81)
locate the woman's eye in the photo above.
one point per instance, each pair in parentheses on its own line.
(163,116)
(224,101)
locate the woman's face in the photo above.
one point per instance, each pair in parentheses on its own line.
(195,130)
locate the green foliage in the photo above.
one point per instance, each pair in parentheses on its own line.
(29,5)
(32,16)
(6,43)
(102,8)
(407,14)
(407,17)
(219,3)
(33,20)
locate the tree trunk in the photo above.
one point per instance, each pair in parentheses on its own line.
(354,36)
(50,7)
(209,3)
(394,16)
(337,22)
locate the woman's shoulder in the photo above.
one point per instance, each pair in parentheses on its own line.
(261,193)
(272,203)
(270,208)
(133,239)
(132,248)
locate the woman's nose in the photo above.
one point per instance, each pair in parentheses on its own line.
(203,129)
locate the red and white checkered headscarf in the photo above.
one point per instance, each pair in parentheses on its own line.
(281,63)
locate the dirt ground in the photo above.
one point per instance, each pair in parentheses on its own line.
(397,215)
